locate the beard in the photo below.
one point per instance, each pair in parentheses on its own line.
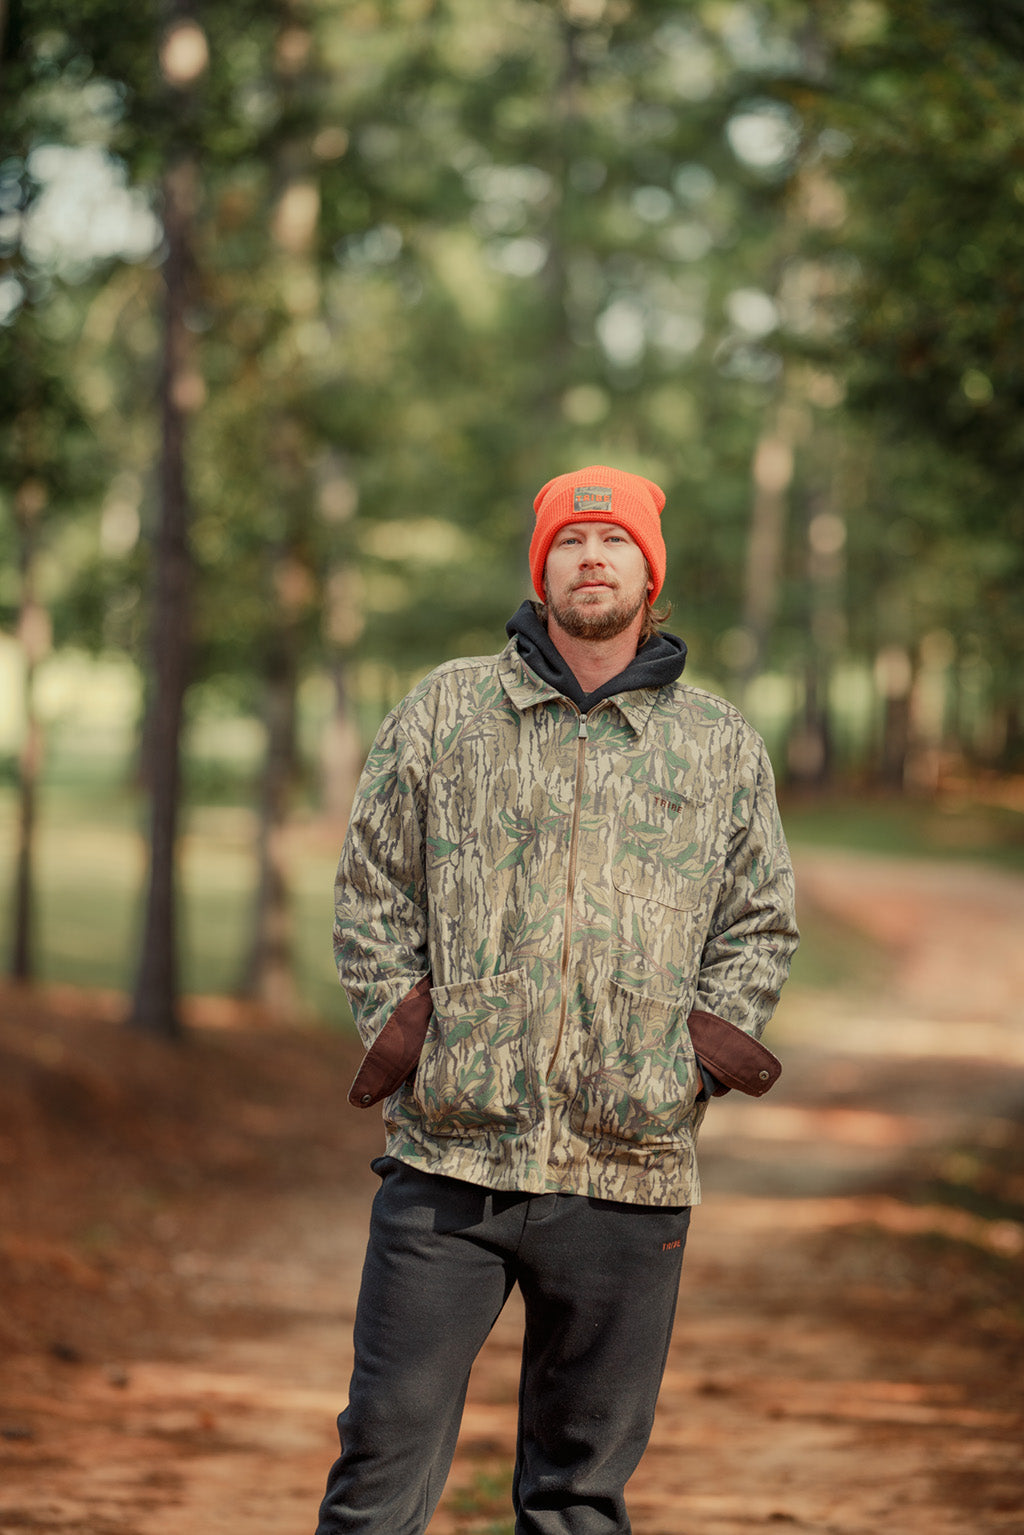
(588,622)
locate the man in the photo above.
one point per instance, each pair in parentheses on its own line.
(564,911)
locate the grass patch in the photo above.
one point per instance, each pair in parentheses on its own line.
(481,1507)
(902,826)
(90,883)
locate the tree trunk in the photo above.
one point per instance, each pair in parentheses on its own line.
(771,474)
(894,679)
(811,756)
(269,975)
(155,1005)
(1011,758)
(270,970)
(341,754)
(34,634)
(341,751)
(22,966)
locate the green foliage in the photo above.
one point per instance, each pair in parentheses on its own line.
(536,236)
(916,121)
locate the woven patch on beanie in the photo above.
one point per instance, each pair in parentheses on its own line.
(592,498)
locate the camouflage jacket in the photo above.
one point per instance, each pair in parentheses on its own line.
(575,886)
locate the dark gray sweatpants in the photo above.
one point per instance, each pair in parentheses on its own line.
(599,1282)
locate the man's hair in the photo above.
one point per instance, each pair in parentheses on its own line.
(652,618)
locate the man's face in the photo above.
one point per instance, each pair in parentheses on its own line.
(595,579)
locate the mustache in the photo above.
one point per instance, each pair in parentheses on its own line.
(589,581)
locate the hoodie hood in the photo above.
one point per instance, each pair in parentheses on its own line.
(658,662)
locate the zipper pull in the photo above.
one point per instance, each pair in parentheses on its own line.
(582,734)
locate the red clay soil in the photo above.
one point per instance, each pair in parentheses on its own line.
(181,1231)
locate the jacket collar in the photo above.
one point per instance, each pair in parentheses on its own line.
(525,689)
(523,686)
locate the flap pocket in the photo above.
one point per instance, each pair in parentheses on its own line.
(637,1075)
(475,1073)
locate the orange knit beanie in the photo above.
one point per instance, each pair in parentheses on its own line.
(600,494)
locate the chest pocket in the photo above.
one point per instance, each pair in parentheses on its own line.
(667,846)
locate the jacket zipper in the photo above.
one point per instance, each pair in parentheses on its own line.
(570,889)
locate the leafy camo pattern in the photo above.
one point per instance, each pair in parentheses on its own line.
(457,862)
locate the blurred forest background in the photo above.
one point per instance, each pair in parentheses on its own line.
(301,301)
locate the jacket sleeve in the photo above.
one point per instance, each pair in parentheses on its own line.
(380,898)
(753,934)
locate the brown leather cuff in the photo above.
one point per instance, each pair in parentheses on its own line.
(735,1058)
(394,1053)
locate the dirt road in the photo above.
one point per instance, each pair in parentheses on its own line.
(181,1245)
